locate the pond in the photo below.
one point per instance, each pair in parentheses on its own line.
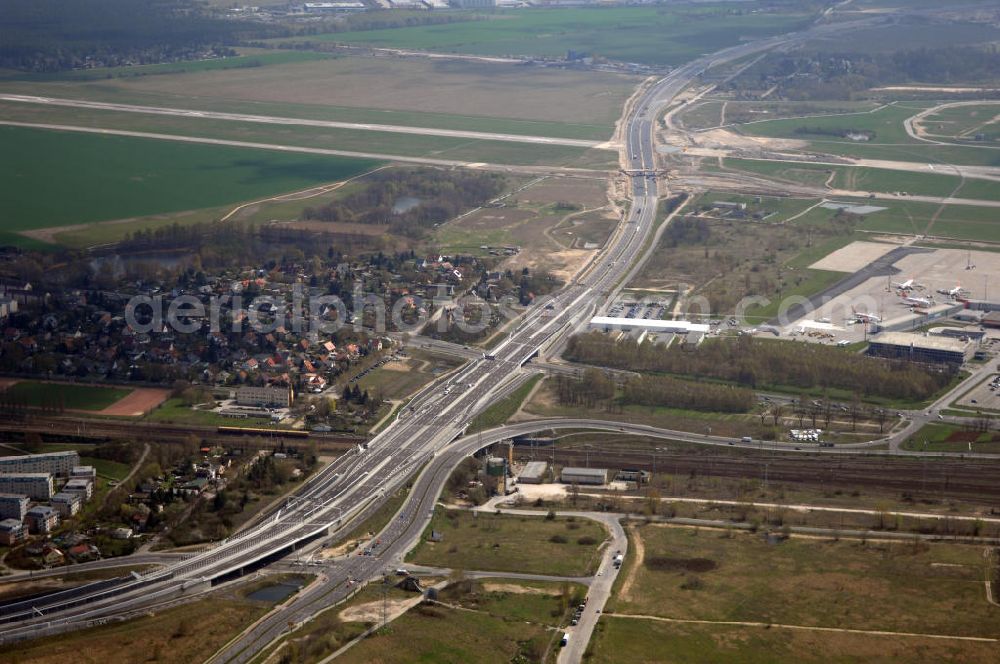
(404,204)
(119,264)
(276,593)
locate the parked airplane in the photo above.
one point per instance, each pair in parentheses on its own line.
(861,317)
(957,291)
(903,285)
(917,301)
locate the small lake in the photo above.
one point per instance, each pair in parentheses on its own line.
(276,593)
(404,204)
(120,264)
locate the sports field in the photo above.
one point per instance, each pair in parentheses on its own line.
(64,395)
(650,35)
(61,178)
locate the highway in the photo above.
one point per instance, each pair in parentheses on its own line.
(423,435)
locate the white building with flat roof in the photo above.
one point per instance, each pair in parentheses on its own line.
(594,476)
(67,503)
(80,485)
(13,506)
(37,486)
(84,471)
(534,472)
(54,463)
(273,396)
(41,519)
(608,323)
(11,532)
(921,348)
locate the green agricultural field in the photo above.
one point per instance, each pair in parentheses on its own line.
(962,222)
(657,36)
(890,181)
(175,412)
(715,575)
(107,469)
(536,545)
(890,140)
(907,34)
(951,438)
(776,209)
(445,634)
(965,122)
(886,122)
(801,173)
(620,639)
(64,395)
(461,95)
(350,140)
(57,178)
(189,633)
(863,179)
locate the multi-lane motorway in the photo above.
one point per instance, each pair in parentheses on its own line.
(423,434)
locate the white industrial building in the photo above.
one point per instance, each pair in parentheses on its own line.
(333,7)
(54,463)
(33,485)
(594,476)
(533,473)
(607,323)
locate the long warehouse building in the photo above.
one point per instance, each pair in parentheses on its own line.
(648,324)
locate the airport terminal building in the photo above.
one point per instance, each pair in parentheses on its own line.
(921,348)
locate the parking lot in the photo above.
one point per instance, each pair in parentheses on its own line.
(985,395)
(645,310)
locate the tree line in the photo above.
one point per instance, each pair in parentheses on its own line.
(841,75)
(754,363)
(595,388)
(50,35)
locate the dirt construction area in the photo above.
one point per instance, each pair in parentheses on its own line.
(557,224)
(138,402)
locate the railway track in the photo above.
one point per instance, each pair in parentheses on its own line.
(919,478)
(54,429)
